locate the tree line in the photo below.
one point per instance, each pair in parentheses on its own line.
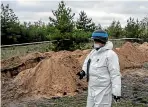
(62,26)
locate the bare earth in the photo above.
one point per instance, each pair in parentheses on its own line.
(49,79)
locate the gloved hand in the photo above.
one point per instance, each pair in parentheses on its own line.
(116,98)
(81,74)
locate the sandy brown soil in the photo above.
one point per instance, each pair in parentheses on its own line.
(53,74)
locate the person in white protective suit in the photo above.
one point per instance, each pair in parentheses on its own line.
(102,69)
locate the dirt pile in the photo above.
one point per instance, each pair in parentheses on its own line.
(132,53)
(80,55)
(144,48)
(130,56)
(55,76)
(17,64)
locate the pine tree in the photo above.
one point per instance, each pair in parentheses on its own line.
(144,28)
(63,20)
(9,25)
(132,29)
(115,29)
(64,26)
(85,23)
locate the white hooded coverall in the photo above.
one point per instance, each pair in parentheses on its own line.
(104,76)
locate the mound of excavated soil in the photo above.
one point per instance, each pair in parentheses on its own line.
(81,55)
(55,76)
(144,48)
(130,56)
(17,64)
(132,53)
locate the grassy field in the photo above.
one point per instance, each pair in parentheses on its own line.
(76,101)
(45,47)
(80,101)
(23,50)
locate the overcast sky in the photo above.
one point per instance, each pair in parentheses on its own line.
(103,12)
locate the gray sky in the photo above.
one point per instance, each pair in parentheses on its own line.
(103,12)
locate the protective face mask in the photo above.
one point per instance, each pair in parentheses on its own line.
(96,46)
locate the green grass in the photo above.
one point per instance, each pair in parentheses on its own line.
(23,50)
(145,65)
(76,101)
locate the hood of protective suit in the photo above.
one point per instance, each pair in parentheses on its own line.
(108,46)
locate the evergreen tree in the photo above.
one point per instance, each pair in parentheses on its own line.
(63,20)
(132,29)
(115,30)
(64,26)
(144,28)
(85,23)
(9,25)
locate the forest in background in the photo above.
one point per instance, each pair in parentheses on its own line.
(62,26)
